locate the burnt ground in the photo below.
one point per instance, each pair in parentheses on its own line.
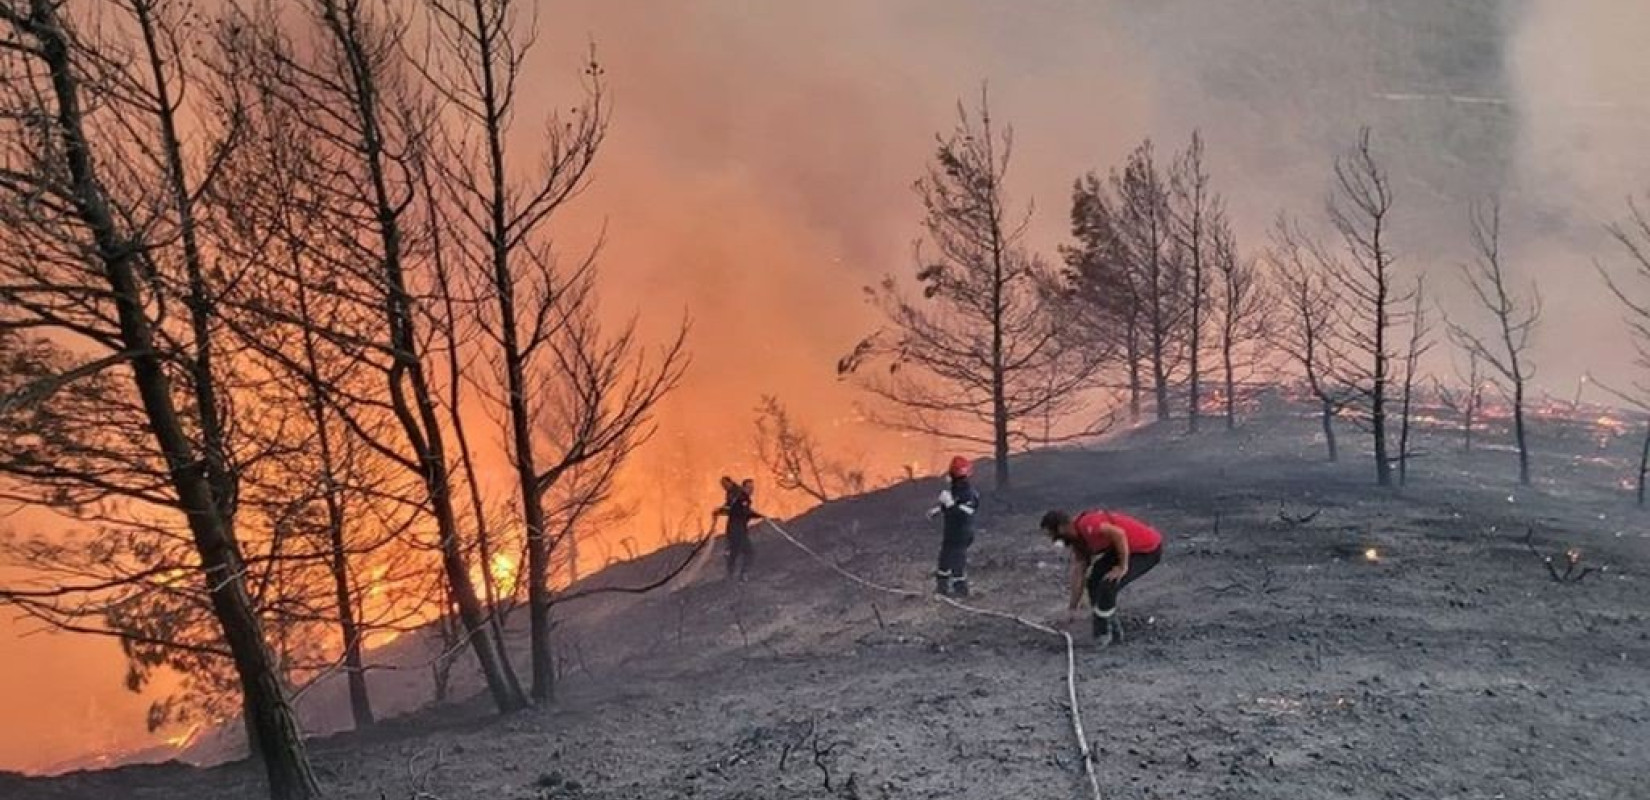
(1265,658)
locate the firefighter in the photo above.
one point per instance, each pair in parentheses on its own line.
(736,506)
(1109,550)
(958,504)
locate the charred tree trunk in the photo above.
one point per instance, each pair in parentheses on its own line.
(1403,437)
(1135,383)
(1644,464)
(1159,341)
(449,329)
(1516,317)
(1194,213)
(1466,431)
(197,297)
(360,702)
(1519,434)
(1418,345)
(1327,416)
(1231,387)
(411,398)
(349,629)
(999,377)
(282,749)
(1361,210)
(1383,463)
(487,36)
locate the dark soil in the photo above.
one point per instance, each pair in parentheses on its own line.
(1264,657)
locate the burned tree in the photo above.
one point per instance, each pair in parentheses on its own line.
(1146,221)
(316,494)
(367,123)
(1244,315)
(102,234)
(1633,234)
(1142,269)
(1467,400)
(457,338)
(1101,287)
(971,360)
(793,459)
(1311,335)
(1515,318)
(1198,219)
(1361,212)
(569,394)
(1420,342)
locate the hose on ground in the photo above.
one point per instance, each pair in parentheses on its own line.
(1071,647)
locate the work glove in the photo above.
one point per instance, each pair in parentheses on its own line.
(946,500)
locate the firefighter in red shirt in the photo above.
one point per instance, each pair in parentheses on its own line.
(1109,550)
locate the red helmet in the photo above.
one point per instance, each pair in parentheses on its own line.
(960,467)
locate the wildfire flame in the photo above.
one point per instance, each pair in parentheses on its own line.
(503,572)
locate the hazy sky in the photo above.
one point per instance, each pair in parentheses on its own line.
(759,172)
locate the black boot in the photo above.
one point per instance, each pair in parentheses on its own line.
(942,582)
(959,587)
(1103,630)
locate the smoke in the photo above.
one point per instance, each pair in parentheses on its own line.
(759,176)
(1579,75)
(761,161)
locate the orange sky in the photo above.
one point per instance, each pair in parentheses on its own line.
(758,174)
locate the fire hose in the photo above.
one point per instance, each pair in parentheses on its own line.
(1071,647)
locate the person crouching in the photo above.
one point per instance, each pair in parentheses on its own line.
(1109,550)
(958,504)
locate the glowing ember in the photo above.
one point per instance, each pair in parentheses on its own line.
(184,739)
(1372,555)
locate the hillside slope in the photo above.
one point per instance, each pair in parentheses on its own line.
(1265,658)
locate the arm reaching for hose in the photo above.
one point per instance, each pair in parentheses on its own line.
(1079,572)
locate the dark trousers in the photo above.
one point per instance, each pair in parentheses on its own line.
(1103,593)
(952,574)
(740,552)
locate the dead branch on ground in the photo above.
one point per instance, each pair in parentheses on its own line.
(1573,571)
(1295,521)
(1261,586)
(419,779)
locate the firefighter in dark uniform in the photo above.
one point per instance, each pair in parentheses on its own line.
(958,504)
(737,508)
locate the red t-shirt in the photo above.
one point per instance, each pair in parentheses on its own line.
(1142,538)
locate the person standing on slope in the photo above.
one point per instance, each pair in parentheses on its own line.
(736,506)
(1109,550)
(958,504)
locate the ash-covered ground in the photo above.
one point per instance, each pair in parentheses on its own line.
(1404,643)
